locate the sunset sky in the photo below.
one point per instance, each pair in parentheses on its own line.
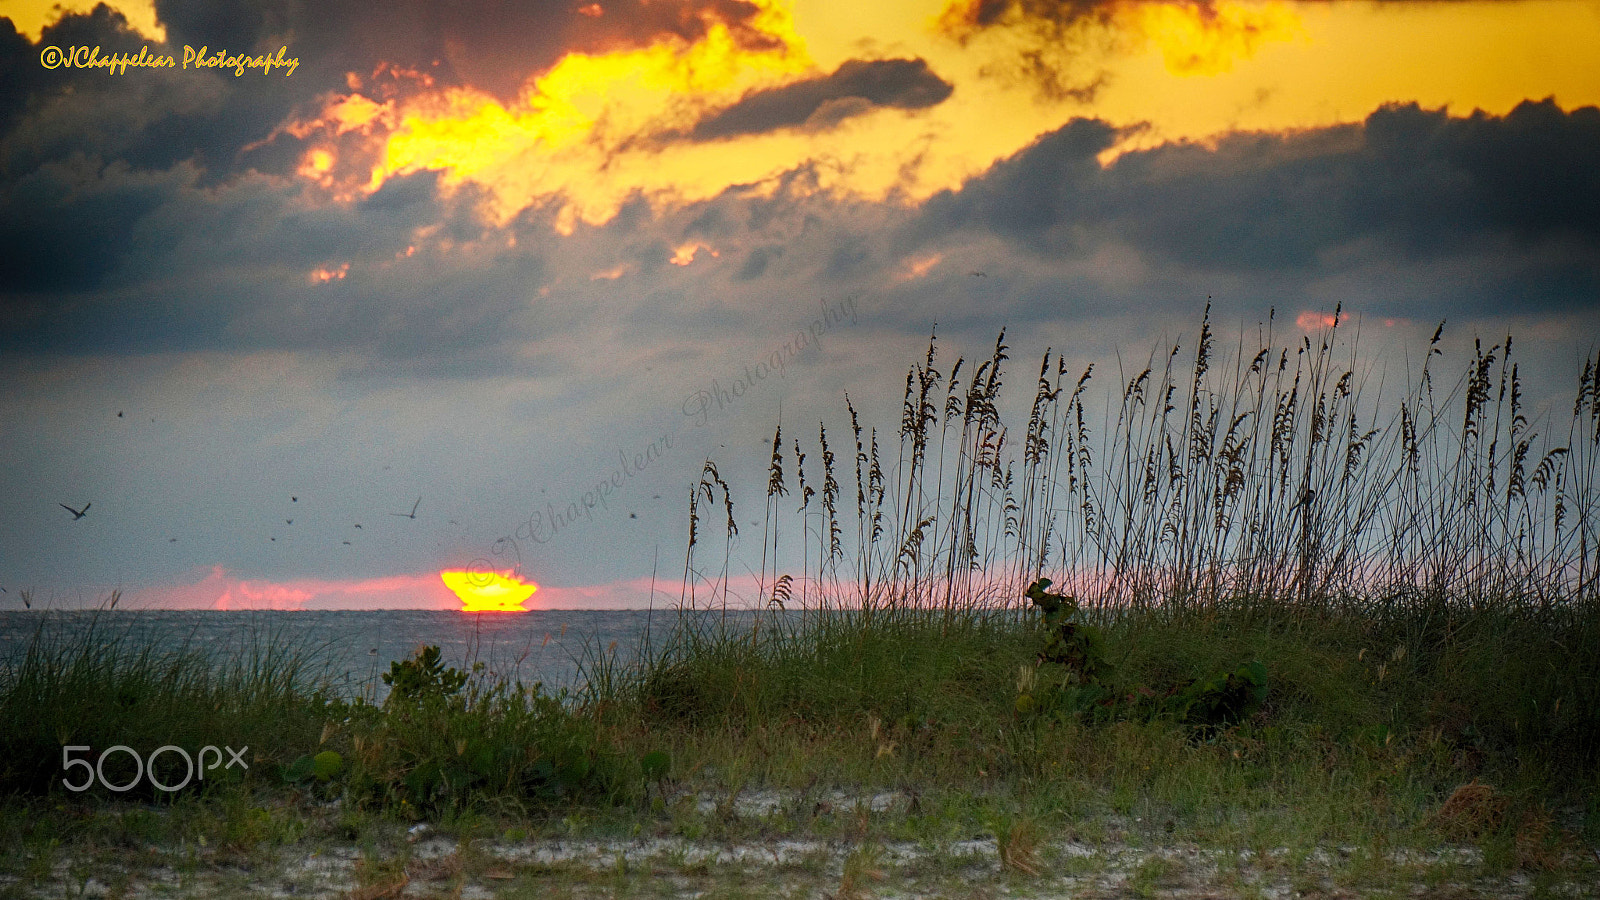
(465,261)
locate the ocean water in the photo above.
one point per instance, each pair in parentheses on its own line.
(354,648)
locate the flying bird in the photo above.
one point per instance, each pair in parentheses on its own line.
(347,543)
(413,513)
(288,521)
(979,275)
(294,499)
(358,524)
(119,413)
(77,513)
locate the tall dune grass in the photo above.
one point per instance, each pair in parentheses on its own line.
(1267,473)
(1416,554)
(95,686)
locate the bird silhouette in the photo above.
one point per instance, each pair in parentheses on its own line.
(347,543)
(358,524)
(288,521)
(413,513)
(294,499)
(979,275)
(119,413)
(77,513)
(1307,497)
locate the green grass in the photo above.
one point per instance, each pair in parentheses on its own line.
(1359,746)
(1432,623)
(97,688)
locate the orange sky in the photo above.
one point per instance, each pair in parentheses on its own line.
(594,130)
(583,129)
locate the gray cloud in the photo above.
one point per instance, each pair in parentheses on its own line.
(856,87)
(111,260)
(1406,187)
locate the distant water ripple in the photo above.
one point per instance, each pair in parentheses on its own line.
(339,643)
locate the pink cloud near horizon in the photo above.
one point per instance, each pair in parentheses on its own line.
(217,589)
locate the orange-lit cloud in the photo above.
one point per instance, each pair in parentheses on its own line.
(570,133)
(325,274)
(1207,39)
(919,266)
(599,128)
(488,591)
(685,254)
(218,589)
(1311,321)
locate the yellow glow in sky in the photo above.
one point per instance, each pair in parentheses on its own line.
(31,16)
(1195,42)
(595,130)
(573,123)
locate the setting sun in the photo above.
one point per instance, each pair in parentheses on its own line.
(488,591)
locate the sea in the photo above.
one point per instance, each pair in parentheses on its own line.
(349,650)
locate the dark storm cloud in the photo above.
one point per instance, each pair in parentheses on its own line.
(62,226)
(858,86)
(1408,186)
(120,261)
(53,114)
(756,263)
